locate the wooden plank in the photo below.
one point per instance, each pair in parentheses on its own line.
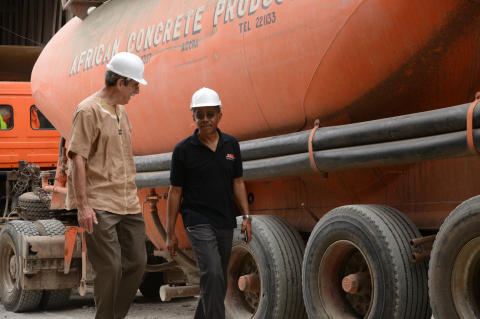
(40,25)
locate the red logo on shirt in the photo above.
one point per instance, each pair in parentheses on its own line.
(230,157)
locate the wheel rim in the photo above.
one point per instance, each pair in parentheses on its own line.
(466,280)
(242,304)
(345,281)
(9,267)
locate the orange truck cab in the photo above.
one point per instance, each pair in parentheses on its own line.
(25,133)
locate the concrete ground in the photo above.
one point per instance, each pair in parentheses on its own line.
(84,308)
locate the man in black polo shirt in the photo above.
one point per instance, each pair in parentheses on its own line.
(206,173)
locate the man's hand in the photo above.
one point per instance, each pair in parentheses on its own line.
(86,218)
(172,245)
(247,225)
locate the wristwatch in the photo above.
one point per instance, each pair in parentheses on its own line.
(246,216)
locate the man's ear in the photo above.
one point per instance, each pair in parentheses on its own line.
(219,117)
(120,82)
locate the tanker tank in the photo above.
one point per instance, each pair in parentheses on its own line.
(355,120)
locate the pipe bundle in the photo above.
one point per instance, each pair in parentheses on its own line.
(426,136)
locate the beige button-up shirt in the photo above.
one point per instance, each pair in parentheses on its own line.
(102,134)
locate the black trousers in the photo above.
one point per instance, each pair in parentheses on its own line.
(212,248)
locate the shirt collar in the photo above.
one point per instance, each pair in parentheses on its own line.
(196,141)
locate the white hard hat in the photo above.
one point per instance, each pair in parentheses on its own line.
(128,65)
(205,97)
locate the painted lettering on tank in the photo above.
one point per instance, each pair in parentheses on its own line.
(106,57)
(158,34)
(88,60)
(131,42)
(139,42)
(189,45)
(188,15)
(229,15)
(148,38)
(80,61)
(74,66)
(98,59)
(242,8)
(167,31)
(176,28)
(197,27)
(219,7)
(254,4)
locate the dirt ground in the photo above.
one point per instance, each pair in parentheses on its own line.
(84,308)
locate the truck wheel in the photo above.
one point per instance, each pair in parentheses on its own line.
(150,286)
(271,266)
(14,298)
(35,208)
(454,275)
(52,299)
(357,265)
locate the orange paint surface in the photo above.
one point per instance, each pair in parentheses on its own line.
(23,141)
(338,61)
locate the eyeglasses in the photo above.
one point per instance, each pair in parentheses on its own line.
(201,116)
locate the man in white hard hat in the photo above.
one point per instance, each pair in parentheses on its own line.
(101,185)
(205,176)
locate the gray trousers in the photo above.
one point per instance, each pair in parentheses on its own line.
(212,248)
(116,250)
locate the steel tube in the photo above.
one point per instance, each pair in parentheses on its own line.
(167,292)
(160,267)
(422,240)
(431,123)
(452,145)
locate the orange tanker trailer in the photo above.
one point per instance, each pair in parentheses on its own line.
(388,160)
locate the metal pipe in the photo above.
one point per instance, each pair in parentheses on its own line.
(431,123)
(167,292)
(160,267)
(153,199)
(55,189)
(8,186)
(419,257)
(422,240)
(452,145)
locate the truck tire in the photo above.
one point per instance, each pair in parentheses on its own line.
(35,208)
(275,256)
(454,274)
(52,299)
(364,249)
(14,298)
(150,286)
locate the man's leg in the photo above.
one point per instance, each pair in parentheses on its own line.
(131,236)
(204,243)
(225,240)
(104,254)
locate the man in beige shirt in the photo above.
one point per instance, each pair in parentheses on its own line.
(101,185)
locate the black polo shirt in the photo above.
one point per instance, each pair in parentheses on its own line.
(207,180)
